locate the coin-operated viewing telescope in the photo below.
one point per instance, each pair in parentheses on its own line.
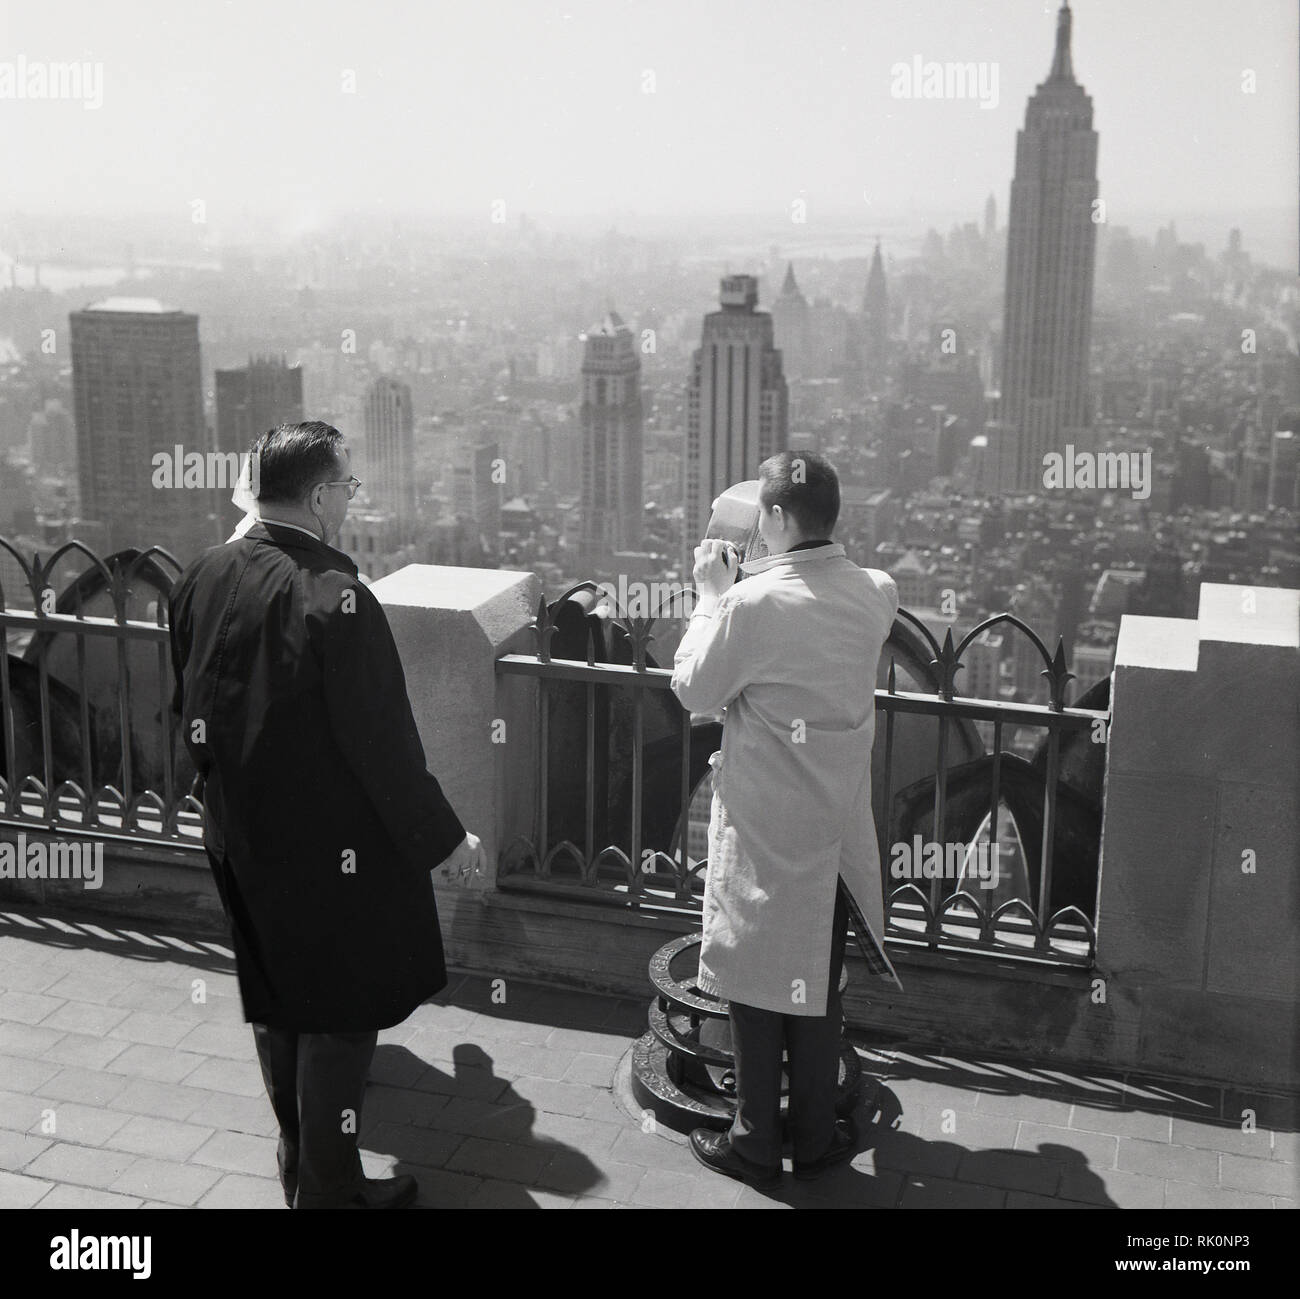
(735,520)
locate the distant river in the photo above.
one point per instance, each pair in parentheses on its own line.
(59,278)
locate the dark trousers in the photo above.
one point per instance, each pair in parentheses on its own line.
(316,1082)
(812,1046)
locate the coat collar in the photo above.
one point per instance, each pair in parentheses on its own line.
(279,535)
(834,551)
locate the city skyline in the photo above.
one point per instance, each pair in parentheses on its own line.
(318,120)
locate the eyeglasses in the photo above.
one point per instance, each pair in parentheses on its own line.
(350,483)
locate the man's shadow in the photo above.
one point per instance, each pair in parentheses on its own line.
(896,1151)
(424,1137)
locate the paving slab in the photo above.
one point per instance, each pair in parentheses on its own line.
(1096,1149)
(164,1179)
(84,1050)
(18,1191)
(1264,1176)
(82,1125)
(1169,1161)
(161,1138)
(238,1191)
(18,1149)
(80,1165)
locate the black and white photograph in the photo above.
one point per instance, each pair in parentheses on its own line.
(671,605)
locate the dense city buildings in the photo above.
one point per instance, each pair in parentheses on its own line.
(501,448)
(1051,247)
(737,411)
(612,501)
(143,451)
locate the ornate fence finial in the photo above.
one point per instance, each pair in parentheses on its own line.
(639,634)
(1057,675)
(947,665)
(543,628)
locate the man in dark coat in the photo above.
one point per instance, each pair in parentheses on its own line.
(322,822)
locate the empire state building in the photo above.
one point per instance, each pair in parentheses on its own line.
(1051,250)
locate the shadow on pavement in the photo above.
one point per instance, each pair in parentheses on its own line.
(931,1167)
(493,1137)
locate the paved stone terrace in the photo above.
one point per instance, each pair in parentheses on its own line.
(157,1101)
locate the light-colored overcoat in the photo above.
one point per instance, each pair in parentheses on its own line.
(791,652)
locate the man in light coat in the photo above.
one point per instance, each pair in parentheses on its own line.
(791,652)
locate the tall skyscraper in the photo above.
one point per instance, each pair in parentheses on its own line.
(256,397)
(612,502)
(138,394)
(476,493)
(390,450)
(1051,250)
(875,320)
(791,324)
(737,405)
(259,396)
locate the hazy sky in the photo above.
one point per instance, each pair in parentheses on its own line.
(756,103)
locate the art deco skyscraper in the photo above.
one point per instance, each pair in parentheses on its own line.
(1051,250)
(390,449)
(737,405)
(612,505)
(138,394)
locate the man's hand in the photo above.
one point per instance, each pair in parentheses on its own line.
(716,565)
(467,862)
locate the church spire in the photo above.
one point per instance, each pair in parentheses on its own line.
(1062,68)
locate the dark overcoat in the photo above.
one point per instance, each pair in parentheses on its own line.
(322,821)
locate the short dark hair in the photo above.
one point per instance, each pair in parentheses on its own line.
(806,486)
(291,458)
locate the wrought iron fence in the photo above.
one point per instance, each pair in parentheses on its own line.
(88,747)
(86,733)
(638,869)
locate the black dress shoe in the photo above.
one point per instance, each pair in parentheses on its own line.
(713,1150)
(844,1144)
(374,1193)
(286,1158)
